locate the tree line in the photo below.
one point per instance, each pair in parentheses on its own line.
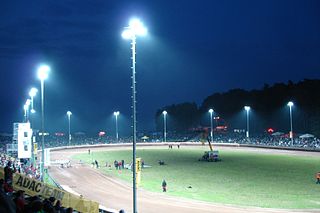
(268,109)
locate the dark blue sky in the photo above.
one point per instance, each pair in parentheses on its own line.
(194,48)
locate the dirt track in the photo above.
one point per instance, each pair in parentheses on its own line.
(116,194)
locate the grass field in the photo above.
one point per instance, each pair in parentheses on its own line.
(241,178)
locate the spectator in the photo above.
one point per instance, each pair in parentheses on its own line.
(58,207)
(20,201)
(8,173)
(164,186)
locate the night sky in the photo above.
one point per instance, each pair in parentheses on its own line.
(193,49)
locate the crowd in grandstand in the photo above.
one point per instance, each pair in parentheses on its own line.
(17,201)
(264,139)
(269,140)
(23,167)
(12,202)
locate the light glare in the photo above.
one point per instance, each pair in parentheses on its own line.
(164,112)
(69,113)
(210,110)
(127,34)
(33,92)
(290,104)
(43,72)
(135,28)
(247,108)
(28,102)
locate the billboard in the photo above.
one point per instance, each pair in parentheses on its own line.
(23,133)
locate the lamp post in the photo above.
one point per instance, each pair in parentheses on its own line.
(247,108)
(43,71)
(165,125)
(290,105)
(211,124)
(25,109)
(116,114)
(33,91)
(69,119)
(131,32)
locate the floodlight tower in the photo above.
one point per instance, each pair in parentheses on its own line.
(69,119)
(33,91)
(135,28)
(116,114)
(211,124)
(290,105)
(43,72)
(247,108)
(25,109)
(165,125)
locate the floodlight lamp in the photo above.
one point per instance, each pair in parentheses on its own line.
(247,108)
(33,111)
(33,92)
(43,71)
(137,27)
(211,111)
(69,113)
(28,102)
(290,104)
(127,34)
(116,113)
(164,112)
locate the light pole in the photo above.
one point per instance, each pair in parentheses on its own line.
(69,119)
(25,108)
(211,124)
(43,71)
(33,91)
(116,114)
(134,29)
(247,108)
(165,125)
(290,105)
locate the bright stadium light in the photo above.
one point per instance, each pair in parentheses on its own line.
(116,114)
(165,125)
(247,108)
(33,91)
(290,105)
(43,72)
(69,119)
(25,108)
(135,28)
(211,124)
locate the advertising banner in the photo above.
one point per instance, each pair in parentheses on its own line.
(33,187)
(138,171)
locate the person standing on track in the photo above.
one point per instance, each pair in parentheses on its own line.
(164,186)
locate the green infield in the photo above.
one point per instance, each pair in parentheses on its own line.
(241,178)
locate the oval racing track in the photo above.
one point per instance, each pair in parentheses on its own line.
(117,194)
